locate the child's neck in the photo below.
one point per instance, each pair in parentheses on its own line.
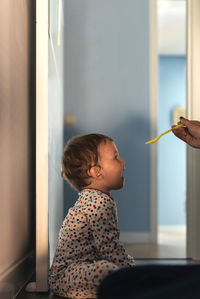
(101,189)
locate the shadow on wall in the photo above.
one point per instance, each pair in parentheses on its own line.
(70,195)
(133,200)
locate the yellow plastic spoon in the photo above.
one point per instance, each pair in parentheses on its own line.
(156,139)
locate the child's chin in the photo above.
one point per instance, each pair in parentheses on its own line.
(121,183)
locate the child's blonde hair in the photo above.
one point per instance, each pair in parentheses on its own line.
(80,154)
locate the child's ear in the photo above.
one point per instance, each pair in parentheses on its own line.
(95,171)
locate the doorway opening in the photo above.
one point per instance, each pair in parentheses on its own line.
(171,24)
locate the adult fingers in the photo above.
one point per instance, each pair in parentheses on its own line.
(188,123)
(192,126)
(180,133)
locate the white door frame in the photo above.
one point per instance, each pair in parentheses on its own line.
(42,252)
(193,109)
(153,115)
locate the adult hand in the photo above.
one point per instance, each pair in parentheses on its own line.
(190,133)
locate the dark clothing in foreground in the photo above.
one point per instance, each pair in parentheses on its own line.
(153,281)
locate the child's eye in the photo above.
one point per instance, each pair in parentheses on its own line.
(116,157)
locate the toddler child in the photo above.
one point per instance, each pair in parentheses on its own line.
(89,248)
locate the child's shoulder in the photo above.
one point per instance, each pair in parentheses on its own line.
(91,202)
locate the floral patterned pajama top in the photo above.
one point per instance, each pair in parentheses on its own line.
(88,234)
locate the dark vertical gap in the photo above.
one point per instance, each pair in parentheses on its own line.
(32,118)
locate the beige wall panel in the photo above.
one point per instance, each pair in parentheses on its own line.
(17,132)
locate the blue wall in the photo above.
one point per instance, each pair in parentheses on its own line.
(171,151)
(107,89)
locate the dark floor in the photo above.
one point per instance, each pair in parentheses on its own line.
(25,295)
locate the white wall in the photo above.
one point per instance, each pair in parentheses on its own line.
(171,27)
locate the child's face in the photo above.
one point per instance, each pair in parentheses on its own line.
(112,166)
